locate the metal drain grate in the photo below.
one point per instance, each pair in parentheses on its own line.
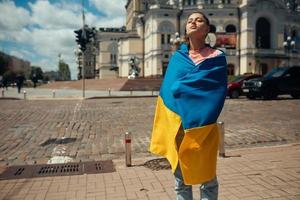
(58,169)
(158,164)
(66,169)
(99,167)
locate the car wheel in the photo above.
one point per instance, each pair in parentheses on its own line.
(250,97)
(270,94)
(234,94)
(296,95)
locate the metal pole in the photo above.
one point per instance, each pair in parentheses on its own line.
(288,50)
(83,77)
(83,31)
(53,93)
(24,94)
(222,135)
(128,149)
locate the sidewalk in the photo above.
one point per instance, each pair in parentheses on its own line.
(245,174)
(59,94)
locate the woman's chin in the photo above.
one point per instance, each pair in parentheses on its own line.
(196,33)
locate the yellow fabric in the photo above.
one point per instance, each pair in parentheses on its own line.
(165,127)
(197,154)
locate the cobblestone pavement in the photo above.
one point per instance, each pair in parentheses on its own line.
(268,173)
(37,130)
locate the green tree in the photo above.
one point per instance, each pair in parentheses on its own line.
(64,71)
(36,72)
(9,77)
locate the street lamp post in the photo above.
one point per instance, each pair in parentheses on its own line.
(175,41)
(289,45)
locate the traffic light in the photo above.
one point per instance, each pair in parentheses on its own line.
(78,35)
(80,39)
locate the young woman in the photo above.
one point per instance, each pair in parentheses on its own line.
(191,98)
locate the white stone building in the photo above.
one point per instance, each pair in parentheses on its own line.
(251,32)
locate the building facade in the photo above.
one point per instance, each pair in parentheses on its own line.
(256,35)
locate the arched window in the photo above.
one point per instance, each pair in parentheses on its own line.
(263,34)
(166,27)
(230,28)
(212,28)
(230,69)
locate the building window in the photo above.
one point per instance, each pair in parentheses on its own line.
(230,28)
(168,38)
(162,39)
(209,1)
(263,34)
(188,2)
(113,58)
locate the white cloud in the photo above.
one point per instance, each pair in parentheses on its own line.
(46,29)
(54,16)
(12,17)
(110,8)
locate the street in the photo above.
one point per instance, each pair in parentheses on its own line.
(37,131)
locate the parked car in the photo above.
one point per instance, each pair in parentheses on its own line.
(280,80)
(234,88)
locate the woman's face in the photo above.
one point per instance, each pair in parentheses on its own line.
(196,26)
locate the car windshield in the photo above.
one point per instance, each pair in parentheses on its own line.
(276,72)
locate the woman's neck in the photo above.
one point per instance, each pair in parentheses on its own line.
(197,44)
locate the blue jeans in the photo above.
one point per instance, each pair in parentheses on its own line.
(208,190)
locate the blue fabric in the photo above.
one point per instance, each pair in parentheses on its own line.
(195,92)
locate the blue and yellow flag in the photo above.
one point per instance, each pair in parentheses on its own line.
(191,96)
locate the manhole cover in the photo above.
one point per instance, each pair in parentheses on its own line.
(158,164)
(66,169)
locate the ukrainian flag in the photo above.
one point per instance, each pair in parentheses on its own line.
(192,96)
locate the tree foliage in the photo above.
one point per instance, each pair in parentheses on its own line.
(64,71)
(36,73)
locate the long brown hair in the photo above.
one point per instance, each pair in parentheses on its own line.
(186,38)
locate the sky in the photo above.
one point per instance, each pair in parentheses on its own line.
(39,30)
